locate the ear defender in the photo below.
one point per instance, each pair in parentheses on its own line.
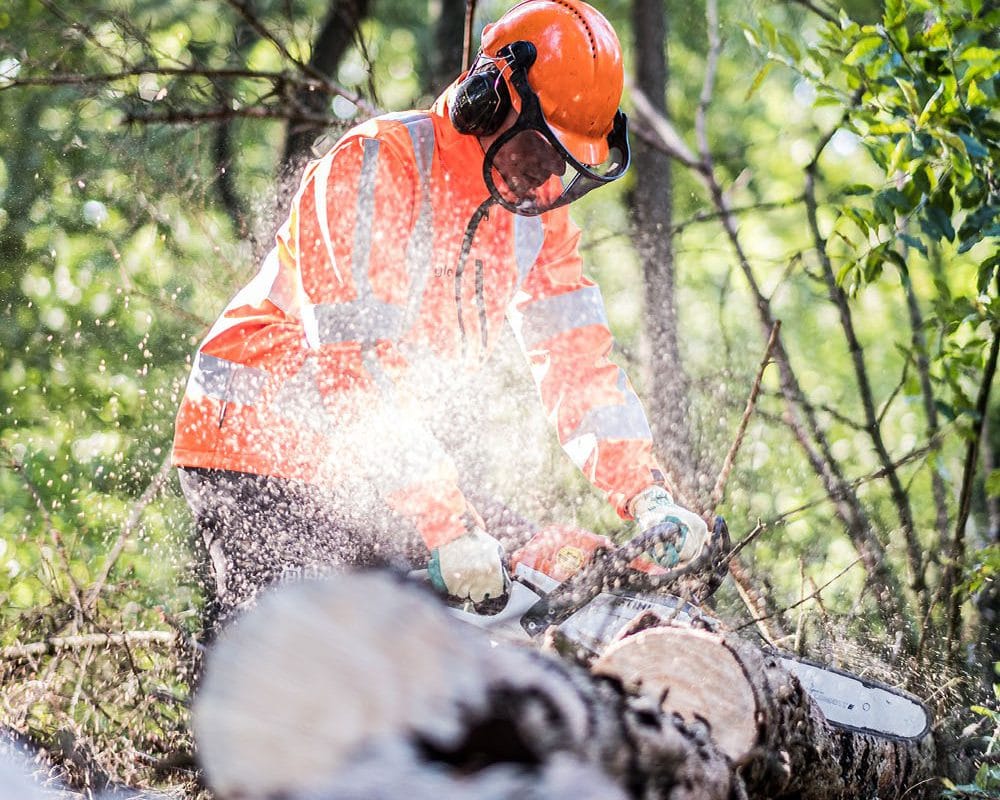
(481,102)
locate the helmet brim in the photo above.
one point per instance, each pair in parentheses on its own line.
(585,149)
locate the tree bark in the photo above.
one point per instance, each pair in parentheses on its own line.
(764,720)
(669,387)
(364,686)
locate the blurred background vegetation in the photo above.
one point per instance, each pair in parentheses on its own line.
(831,166)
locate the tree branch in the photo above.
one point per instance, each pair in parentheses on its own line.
(55,643)
(956,553)
(799,416)
(839,298)
(192,115)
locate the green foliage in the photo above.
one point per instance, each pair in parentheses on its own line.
(919,88)
(987,780)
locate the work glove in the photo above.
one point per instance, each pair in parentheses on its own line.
(469,567)
(654,507)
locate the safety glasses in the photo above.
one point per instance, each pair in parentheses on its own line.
(528,170)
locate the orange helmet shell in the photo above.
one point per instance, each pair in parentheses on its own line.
(578,74)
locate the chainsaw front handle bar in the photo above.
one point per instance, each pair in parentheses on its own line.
(610,572)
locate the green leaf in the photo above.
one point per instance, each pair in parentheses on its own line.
(973,146)
(975,96)
(751,37)
(896,258)
(844,271)
(910,93)
(987,271)
(915,243)
(762,73)
(856,189)
(863,49)
(945,410)
(770,34)
(790,46)
(899,153)
(857,216)
(930,106)
(937,224)
(978,53)
(886,128)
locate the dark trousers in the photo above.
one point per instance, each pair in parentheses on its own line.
(257,531)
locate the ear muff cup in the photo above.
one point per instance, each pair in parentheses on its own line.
(480,103)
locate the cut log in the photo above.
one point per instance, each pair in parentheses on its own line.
(764,720)
(363,686)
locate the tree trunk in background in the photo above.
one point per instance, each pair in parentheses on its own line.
(666,393)
(445,58)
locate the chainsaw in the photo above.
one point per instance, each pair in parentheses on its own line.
(582,592)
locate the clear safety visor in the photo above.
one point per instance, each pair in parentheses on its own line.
(528,170)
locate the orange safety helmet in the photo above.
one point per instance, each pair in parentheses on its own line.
(577,73)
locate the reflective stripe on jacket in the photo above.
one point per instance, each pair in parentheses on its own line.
(391,250)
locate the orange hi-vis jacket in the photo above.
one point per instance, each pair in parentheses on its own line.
(392,252)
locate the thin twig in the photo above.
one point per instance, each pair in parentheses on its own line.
(147,497)
(816,10)
(756,604)
(895,393)
(708,83)
(727,464)
(100,79)
(805,599)
(196,115)
(759,529)
(913,455)
(307,69)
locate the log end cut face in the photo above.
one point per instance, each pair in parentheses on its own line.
(691,673)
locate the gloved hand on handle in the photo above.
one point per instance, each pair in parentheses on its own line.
(469,567)
(653,507)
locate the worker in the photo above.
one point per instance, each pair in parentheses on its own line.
(301,441)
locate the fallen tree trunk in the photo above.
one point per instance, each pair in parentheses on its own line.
(764,720)
(364,686)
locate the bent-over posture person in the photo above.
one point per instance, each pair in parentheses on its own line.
(300,439)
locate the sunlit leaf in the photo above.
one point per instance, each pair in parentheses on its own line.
(762,73)
(863,49)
